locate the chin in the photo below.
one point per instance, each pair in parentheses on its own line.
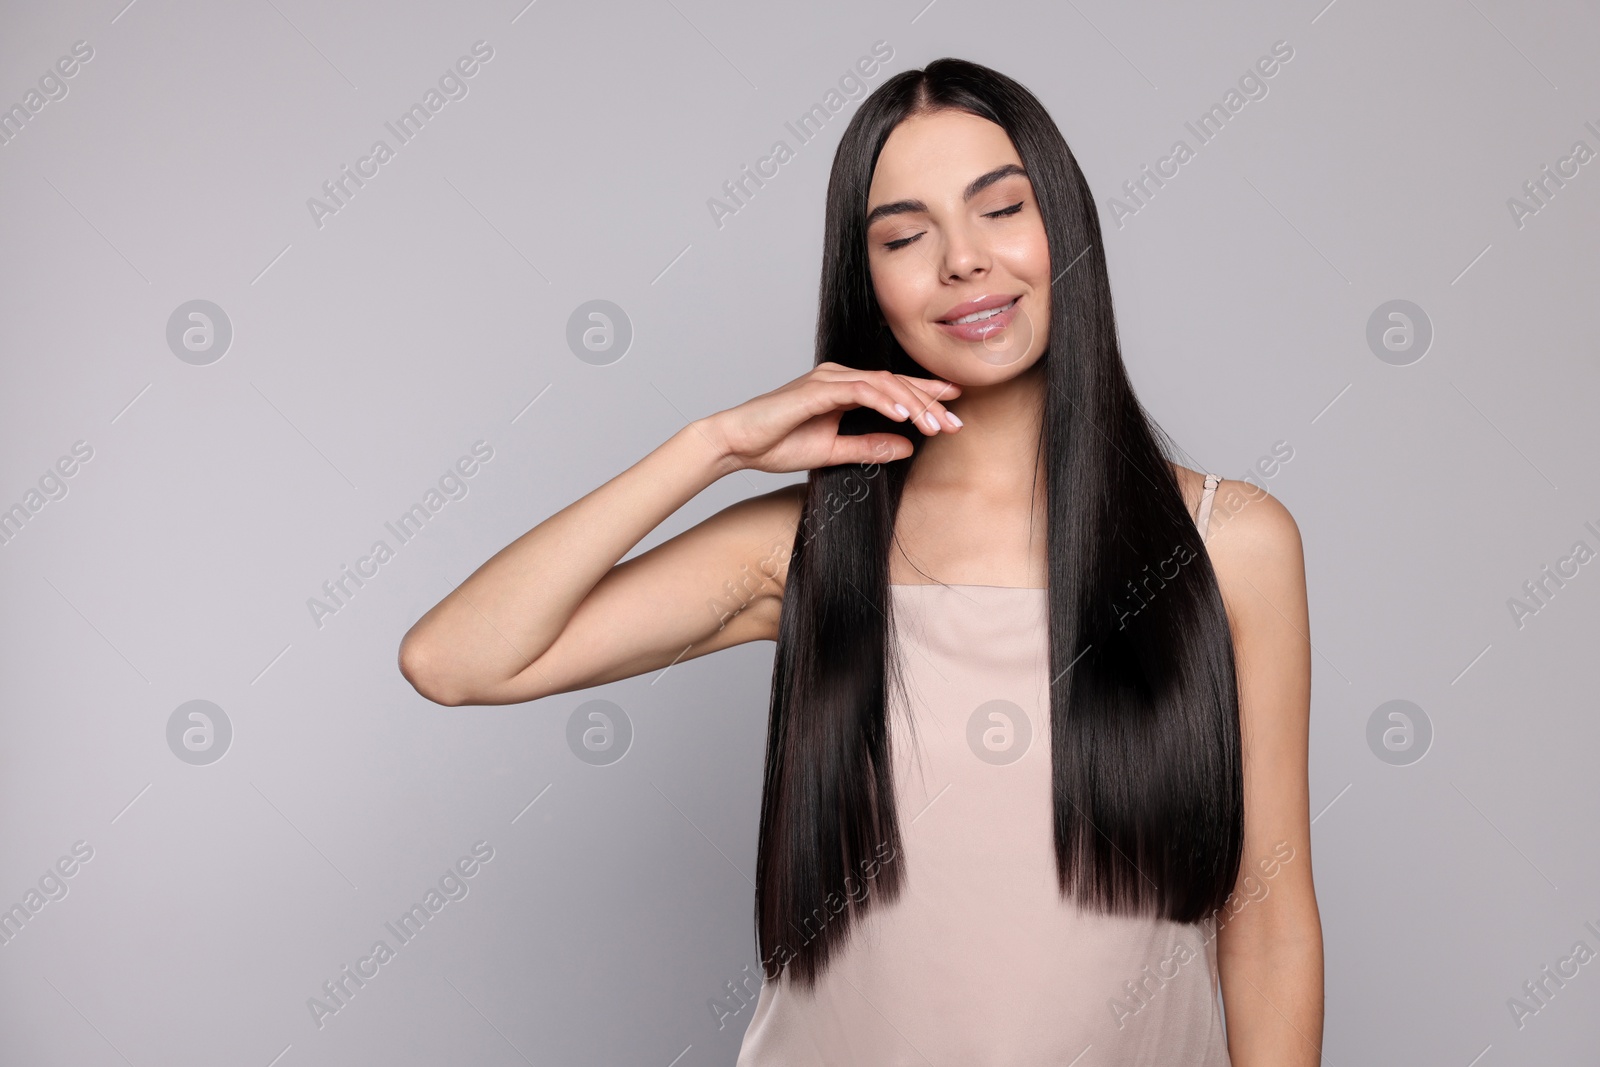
(979,364)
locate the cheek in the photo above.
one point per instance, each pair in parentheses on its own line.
(899,295)
(1028,257)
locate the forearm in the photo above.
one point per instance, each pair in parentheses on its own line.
(513,607)
(1272,996)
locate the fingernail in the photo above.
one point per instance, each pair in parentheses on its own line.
(933,423)
(904,411)
(953,420)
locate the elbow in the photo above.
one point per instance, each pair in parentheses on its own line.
(421,669)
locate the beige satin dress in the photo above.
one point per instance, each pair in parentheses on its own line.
(981,962)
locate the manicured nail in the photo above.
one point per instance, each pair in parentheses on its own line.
(953,420)
(933,423)
(904,411)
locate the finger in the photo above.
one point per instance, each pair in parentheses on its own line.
(943,390)
(927,410)
(869,448)
(859,392)
(938,387)
(832,397)
(895,396)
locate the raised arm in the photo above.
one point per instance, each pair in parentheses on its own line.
(554,611)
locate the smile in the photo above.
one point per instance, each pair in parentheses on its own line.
(978,316)
(983,323)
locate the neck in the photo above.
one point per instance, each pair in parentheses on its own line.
(994,451)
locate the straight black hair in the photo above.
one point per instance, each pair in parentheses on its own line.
(1144,723)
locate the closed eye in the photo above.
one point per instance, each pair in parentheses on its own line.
(1002,213)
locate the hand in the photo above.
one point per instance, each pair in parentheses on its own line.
(796,426)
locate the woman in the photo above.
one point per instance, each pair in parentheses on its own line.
(1036,765)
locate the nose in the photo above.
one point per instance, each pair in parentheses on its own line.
(965,254)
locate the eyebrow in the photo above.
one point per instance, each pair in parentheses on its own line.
(978,185)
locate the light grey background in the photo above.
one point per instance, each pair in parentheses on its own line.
(369,353)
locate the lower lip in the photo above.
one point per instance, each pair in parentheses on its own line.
(983,328)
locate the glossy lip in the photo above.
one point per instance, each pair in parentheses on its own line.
(983,328)
(983,303)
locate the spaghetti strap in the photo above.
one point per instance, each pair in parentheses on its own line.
(1206,499)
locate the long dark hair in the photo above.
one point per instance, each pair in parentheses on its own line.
(1144,726)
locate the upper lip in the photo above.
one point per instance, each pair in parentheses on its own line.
(983,303)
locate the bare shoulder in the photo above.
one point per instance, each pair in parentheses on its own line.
(1249,523)
(1258,521)
(1249,533)
(1255,548)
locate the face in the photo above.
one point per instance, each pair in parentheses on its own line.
(954,231)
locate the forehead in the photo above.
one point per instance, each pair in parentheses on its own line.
(934,156)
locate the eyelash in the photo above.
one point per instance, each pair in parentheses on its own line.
(1002,213)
